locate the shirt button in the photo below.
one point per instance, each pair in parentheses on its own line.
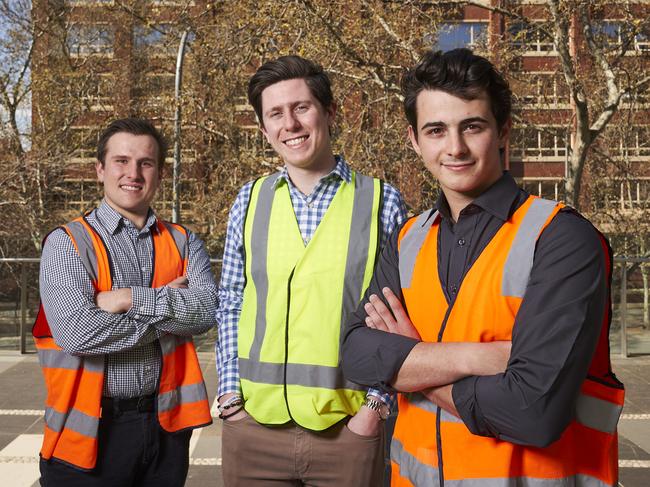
(461,241)
(143,268)
(454,289)
(136,316)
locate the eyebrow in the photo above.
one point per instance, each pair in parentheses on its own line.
(465,121)
(279,107)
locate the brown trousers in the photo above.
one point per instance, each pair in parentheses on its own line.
(254,455)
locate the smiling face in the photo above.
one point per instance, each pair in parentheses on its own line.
(130,175)
(297,125)
(459,142)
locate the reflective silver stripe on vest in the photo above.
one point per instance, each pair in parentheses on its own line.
(58,359)
(411,244)
(419,474)
(422,475)
(358,245)
(182,395)
(519,263)
(597,413)
(297,374)
(572,481)
(75,420)
(422,402)
(168,343)
(180,239)
(259,248)
(84,247)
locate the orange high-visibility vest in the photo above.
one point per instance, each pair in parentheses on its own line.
(422,453)
(74,384)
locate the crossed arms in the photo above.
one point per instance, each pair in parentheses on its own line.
(527,398)
(86,323)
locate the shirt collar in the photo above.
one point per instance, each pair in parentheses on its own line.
(112,220)
(498,199)
(341,170)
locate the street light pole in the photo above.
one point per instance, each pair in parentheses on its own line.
(177,128)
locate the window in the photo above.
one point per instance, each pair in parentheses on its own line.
(636,143)
(540,142)
(155,38)
(155,85)
(541,90)
(84,39)
(616,33)
(452,35)
(550,188)
(530,38)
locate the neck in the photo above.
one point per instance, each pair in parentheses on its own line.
(138,218)
(306,179)
(456,204)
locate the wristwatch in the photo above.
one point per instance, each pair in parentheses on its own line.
(377,406)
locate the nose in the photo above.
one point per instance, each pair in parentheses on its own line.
(291,121)
(133,170)
(456,146)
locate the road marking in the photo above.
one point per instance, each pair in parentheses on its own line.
(205,461)
(19,460)
(634,463)
(635,416)
(22,412)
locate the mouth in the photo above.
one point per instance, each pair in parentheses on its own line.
(457,165)
(131,187)
(296,141)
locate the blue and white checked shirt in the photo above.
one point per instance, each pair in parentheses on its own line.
(129,340)
(309,212)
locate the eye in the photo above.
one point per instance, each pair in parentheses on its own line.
(473,127)
(302,108)
(275,114)
(435,131)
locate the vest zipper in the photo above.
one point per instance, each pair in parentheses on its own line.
(286,344)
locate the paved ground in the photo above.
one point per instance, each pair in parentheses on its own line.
(21,424)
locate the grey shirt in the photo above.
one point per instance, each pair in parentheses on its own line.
(129,340)
(554,334)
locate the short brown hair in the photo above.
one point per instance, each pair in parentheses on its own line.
(285,68)
(134,126)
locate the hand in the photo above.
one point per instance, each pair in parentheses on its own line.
(239,415)
(115,301)
(365,423)
(178,283)
(381,318)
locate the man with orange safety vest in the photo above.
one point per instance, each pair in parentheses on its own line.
(492,267)
(122,293)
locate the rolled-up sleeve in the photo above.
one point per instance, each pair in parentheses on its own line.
(372,357)
(553,340)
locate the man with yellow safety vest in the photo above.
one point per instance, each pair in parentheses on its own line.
(300,248)
(122,294)
(491,267)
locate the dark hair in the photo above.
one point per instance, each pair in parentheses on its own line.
(285,68)
(134,126)
(460,73)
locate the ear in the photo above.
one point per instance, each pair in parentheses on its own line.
(99,167)
(331,112)
(263,130)
(414,140)
(504,135)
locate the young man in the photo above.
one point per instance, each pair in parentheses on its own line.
(300,249)
(492,265)
(123,292)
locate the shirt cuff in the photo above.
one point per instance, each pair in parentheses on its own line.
(143,303)
(390,357)
(463,393)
